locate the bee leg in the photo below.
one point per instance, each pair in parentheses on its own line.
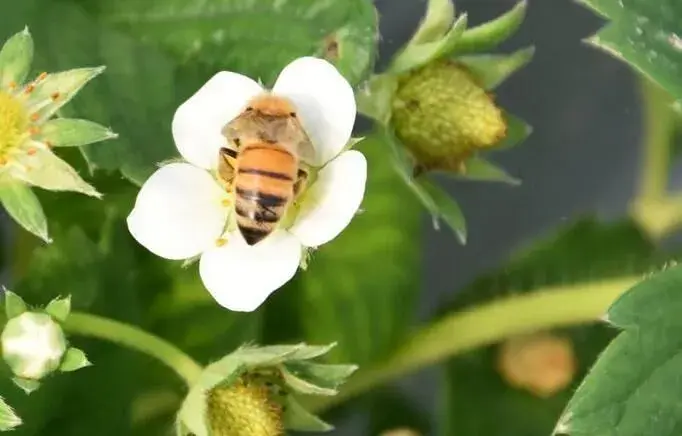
(227,161)
(301,179)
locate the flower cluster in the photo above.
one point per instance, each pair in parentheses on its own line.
(184,212)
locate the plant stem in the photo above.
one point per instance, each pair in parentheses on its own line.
(548,308)
(656,212)
(133,337)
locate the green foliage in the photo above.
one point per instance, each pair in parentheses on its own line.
(255,38)
(581,252)
(8,419)
(634,386)
(645,34)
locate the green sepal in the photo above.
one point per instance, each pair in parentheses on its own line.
(297,418)
(59,308)
(9,420)
(14,304)
(375,98)
(438,202)
(481,170)
(193,411)
(50,172)
(26,385)
(57,89)
(316,378)
(16,56)
(517,132)
(493,69)
(489,35)
(438,18)
(23,206)
(418,55)
(74,359)
(66,132)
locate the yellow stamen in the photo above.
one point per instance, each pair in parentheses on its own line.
(226,202)
(13,122)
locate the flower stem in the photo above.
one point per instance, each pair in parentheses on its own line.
(463,331)
(133,337)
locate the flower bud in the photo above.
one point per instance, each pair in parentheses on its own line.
(33,345)
(542,364)
(442,115)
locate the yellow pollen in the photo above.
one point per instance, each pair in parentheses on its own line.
(13,122)
(31,151)
(226,202)
(220,242)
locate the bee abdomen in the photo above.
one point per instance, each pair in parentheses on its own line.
(264,186)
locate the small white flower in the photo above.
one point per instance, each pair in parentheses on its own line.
(33,345)
(180,212)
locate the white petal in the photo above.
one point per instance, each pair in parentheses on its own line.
(333,200)
(240,277)
(325,103)
(198,121)
(178,213)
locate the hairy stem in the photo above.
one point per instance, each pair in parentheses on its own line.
(134,338)
(479,326)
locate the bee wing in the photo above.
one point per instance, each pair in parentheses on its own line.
(305,148)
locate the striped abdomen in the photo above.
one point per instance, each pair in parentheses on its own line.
(264,185)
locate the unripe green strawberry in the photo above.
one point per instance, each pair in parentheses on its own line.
(244,408)
(443,115)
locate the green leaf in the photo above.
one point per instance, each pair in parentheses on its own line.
(438,18)
(74,359)
(479,169)
(366,310)
(314,378)
(438,202)
(59,308)
(645,34)
(296,417)
(8,419)
(583,252)
(57,89)
(517,132)
(634,386)
(493,69)
(14,304)
(23,206)
(15,58)
(418,55)
(375,98)
(489,35)
(219,33)
(65,132)
(48,171)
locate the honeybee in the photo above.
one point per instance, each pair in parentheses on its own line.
(264,167)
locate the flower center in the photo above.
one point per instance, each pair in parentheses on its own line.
(13,122)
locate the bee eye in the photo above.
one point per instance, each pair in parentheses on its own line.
(248,109)
(292,114)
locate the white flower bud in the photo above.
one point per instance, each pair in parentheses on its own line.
(33,345)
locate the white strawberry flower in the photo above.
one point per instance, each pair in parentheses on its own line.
(182,212)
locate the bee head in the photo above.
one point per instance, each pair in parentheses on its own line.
(271,105)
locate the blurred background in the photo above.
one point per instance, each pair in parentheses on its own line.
(582,159)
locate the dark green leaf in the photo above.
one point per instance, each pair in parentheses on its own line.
(366,310)
(634,387)
(254,38)
(581,252)
(24,207)
(647,35)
